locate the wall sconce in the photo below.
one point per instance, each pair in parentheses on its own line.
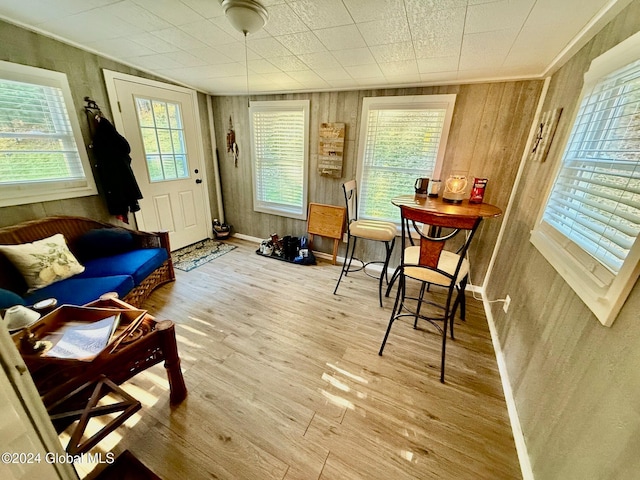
(454,188)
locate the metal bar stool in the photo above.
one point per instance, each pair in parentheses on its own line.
(375,230)
(429,264)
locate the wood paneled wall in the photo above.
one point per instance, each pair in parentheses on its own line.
(84,72)
(575,382)
(488,134)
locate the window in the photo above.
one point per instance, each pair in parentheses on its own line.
(39,155)
(589,226)
(401,139)
(279,140)
(163,139)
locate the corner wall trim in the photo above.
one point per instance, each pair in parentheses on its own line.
(518,436)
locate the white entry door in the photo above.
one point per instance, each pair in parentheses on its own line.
(161,124)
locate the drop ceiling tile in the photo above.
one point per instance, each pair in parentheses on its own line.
(230,70)
(320,60)
(235,52)
(129,11)
(207,33)
(158,61)
(496,15)
(343,84)
(304,42)
(289,63)
(154,43)
(262,66)
(205,8)
(283,20)
(226,85)
(414,6)
(372,82)
(393,52)
(380,32)
(188,74)
(177,37)
(77,6)
(89,26)
(445,45)
(325,14)
(275,81)
(369,10)
(174,12)
(438,64)
(495,43)
(185,59)
(121,48)
(364,71)
(408,67)
(354,56)
(268,47)
(479,74)
(212,56)
(333,74)
(308,78)
(338,38)
(438,77)
(488,60)
(40,11)
(402,80)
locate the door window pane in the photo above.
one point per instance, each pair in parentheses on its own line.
(162,133)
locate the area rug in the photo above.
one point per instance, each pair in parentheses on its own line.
(199,253)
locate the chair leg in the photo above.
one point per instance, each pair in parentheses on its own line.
(397,307)
(347,260)
(392,281)
(383,273)
(444,345)
(420,297)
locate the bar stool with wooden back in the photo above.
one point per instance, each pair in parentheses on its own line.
(429,264)
(375,230)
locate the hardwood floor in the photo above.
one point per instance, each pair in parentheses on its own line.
(285,382)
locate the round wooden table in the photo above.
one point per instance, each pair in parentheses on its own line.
(440,207)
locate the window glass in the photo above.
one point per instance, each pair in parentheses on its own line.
(163,139)
(39,156)
(402,138)
(589,225)
(279,134)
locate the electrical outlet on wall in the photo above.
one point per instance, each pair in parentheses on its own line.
(507,302)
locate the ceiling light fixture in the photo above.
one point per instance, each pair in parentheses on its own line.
(246,16)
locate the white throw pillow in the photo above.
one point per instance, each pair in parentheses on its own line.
(43,262)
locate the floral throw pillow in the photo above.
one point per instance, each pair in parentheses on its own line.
(43,262)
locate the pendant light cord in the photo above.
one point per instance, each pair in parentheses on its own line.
(246,63)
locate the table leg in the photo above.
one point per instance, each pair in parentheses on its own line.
(167,332)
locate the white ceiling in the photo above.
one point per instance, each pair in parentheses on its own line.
(311,45)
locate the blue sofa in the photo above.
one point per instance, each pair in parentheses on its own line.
(129,262)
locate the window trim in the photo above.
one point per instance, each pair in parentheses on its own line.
(404,102)
(271,207)
(603,294)
(43,191)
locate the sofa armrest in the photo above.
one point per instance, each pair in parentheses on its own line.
(151,239)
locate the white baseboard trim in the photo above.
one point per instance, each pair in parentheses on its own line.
(518,436)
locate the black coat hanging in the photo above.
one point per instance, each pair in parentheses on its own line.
(113,164)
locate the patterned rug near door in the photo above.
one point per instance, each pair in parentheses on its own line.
(199,253)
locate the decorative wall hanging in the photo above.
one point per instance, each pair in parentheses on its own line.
(331,149)
(544,135)
(232,146)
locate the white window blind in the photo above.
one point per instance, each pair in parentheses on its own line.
(588,228)
(280,150)
(39,157)
(402,138)
(595,200)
